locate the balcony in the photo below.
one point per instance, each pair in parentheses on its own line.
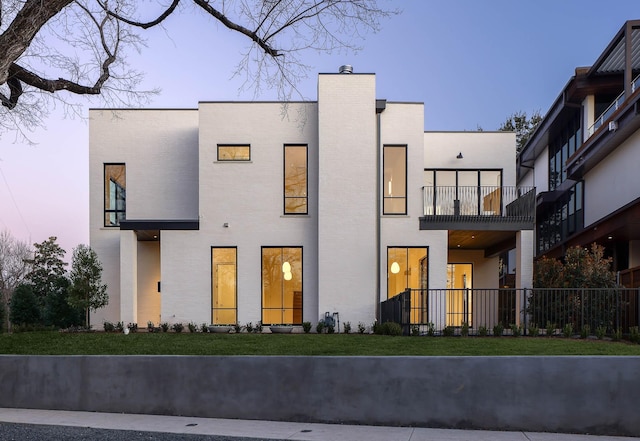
(615,105)
(480,207)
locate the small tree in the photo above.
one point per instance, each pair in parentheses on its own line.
(57,309)
(523,126)
(14,266)
(87,291)
(47,267)
(24,306)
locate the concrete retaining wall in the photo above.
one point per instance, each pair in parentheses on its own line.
(596,395)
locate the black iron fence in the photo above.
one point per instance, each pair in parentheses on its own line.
(480,311)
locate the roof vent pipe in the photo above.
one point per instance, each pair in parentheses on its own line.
(346,69)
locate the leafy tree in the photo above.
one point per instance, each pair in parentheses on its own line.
(80,46)
(57,309)
(24,306)
(523,125)
(14,266)
(87,292)
(595,304)
(47,268)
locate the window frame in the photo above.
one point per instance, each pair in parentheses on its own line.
(219,159)
(284,181)
(384,182)
(104,196)
(262,302)
(235,308)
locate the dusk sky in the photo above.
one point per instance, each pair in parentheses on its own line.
(472,63)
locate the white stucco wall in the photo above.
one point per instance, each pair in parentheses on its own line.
(614,182)
(480,150)
(159,148)
(347,196)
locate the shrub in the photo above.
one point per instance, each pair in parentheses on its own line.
(617,335)
(258,327)
(601,331)
(498,329)
(24,306)
(249,327)
(391,328)
(320,327)
(133,327)
(585,331)
(567,331)
(448,331)
(347,327)
(464,331)
(204,327)
(376,328)
(237,328)
(483,331)
(164,326)
(331,329)
(550,329)
(177,327)
(119,327)
(516,330)
(431,329)
(193,327)
(634,334)
(306,327)
(108,327)
(361,328)
(533,330)
(415,330)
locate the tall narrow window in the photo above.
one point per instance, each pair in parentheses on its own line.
(115,185)
(224,309)
(295,179)
(459,282)
(234,152)
(408,267)
(282,285)
(395,179)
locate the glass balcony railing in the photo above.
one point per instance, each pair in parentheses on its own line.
(615,105)
(478,201)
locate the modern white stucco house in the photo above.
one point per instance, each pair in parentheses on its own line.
(239,212)
(585,156)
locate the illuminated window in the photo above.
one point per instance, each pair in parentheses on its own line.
(395,179)
(223,286)
(282,285)
(114,194)
(408,267)
(459,283)
(295,179)
(234,152)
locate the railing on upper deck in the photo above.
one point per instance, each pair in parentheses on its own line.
(479,201)
(615,105)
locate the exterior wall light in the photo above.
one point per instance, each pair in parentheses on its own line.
(459,156)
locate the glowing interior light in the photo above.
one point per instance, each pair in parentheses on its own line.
(286,267)
(287,275)
(390,186)
(395,268)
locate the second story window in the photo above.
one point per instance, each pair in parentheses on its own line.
(463,192)
(295,179)
(234,152)
(563,146)
(115,185)
(395,179)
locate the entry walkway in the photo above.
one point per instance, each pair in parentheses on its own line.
(272,430)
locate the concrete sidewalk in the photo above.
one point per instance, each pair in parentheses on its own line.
(272,429)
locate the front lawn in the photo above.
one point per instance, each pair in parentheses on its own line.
(98,343)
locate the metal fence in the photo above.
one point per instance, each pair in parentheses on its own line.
(439,311)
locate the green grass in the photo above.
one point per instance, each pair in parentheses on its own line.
(55,343)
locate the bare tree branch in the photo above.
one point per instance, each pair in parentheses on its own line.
(146,25)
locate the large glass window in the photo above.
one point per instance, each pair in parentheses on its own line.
(562,146)
(563,219)
(224,286)
(395,179)
(408,267)
(459,283)
(234,152)
(462,192)
(282,285)
(115,185)
(295,179)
